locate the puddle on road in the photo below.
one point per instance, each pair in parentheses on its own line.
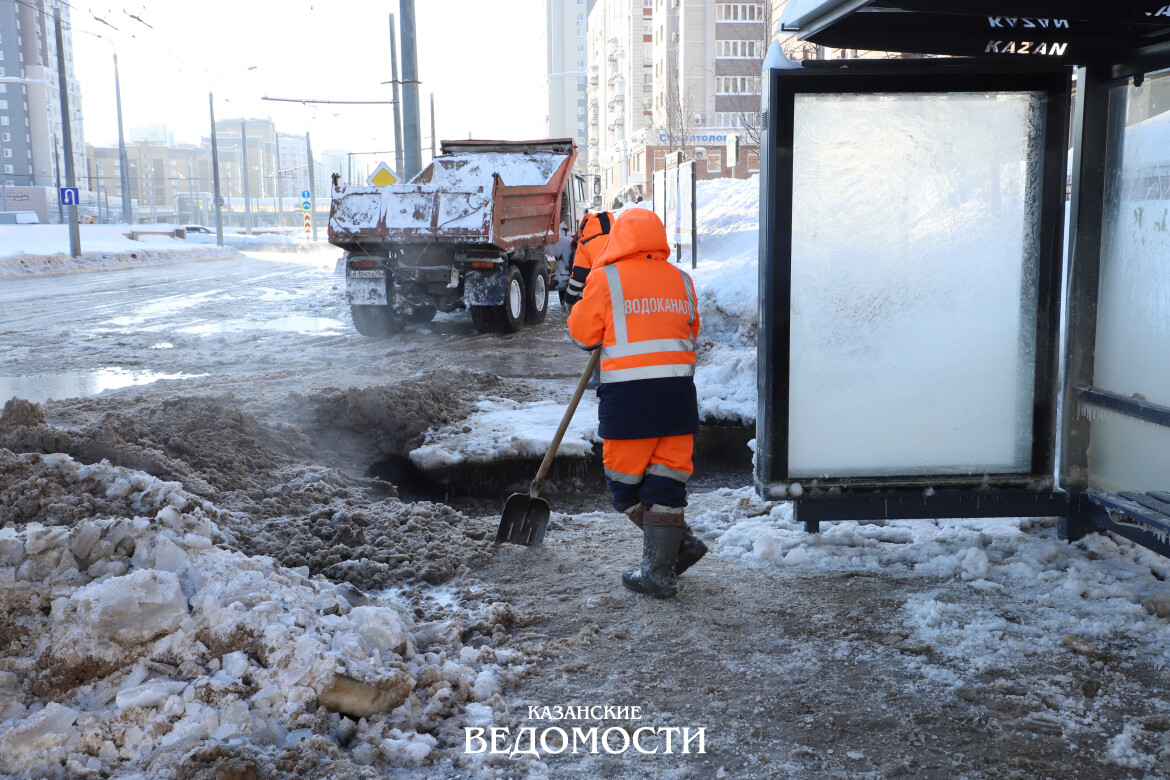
(78,384)
(295,323)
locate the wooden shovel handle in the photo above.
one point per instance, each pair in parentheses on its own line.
(594,357)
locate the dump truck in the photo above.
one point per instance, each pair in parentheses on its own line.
(475,229)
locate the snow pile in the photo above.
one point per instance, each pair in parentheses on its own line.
(266,242)
(139,644)
(501,429)
(35,250)
(471,170)
(727,284)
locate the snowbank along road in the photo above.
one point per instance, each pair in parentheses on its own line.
(202,577)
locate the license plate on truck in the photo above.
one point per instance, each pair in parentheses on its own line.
(366,288)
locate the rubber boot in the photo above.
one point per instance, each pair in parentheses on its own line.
(690,551)
(659,550)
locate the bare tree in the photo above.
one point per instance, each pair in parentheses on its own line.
(749,119)
(676,115)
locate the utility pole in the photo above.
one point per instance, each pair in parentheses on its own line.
(244,163)
(215,174)
(127,215)
(312,186)
(432,125)
(57,176)
(397,106)
(411,123)
(67,130)
(279,194)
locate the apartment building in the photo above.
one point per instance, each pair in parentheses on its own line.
(620,89)
(694,67)
(31,130)
(566,60)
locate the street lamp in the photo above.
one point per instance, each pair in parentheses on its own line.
(127,213)
(215,157)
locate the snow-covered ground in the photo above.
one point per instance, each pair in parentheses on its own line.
(39,250)
(198,574)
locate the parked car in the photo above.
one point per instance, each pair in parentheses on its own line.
(197,229)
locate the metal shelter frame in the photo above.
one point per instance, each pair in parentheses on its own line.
(1038,48)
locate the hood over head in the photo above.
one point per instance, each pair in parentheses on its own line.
(595,224)
(636,232)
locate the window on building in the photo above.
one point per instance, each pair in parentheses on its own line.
(3,120)
(3,104)
(8,169)
(739,49)
(739,12)
(6,137)
(580,48)
(7,152)
(580,18)
(737,85)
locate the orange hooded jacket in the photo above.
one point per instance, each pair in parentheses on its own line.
(588,244)
(642,312)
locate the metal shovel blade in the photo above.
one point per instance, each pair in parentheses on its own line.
(524,520)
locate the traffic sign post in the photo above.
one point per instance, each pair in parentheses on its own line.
(307,207)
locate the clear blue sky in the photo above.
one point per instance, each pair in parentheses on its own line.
(483,60)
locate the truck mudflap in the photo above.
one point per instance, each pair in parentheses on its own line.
(485,287)
(366,287)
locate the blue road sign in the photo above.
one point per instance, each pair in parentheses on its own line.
(70,196)
(305,194)
(307,205)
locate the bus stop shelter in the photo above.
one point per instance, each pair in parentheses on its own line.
(965,265)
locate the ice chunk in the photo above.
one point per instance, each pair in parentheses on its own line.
(149,694)
(85,536)
(235,665)
(486,685)
(37,538)
(362,699)
(380,627)
(11,547)
(168,556)
(26,742)
(129,609)
(479,715)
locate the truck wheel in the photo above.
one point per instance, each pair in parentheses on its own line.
(421,314)
(375,321)
(484,318)
(537,307)
(512,313)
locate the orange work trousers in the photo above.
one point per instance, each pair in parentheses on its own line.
(649,471)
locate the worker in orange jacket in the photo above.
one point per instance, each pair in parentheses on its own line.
(640,310)
(588,244)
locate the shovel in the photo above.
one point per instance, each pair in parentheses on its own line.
(525,516)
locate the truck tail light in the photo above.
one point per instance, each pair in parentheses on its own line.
(483,264)
(360,264)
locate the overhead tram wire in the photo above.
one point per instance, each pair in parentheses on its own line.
(306,101)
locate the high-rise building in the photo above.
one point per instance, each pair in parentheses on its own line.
(671,76)
(619,84)
(31,137)
(566,61)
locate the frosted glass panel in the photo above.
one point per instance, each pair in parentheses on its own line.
(914,252)
(1133,310)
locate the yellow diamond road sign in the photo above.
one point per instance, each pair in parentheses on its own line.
(381,177)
